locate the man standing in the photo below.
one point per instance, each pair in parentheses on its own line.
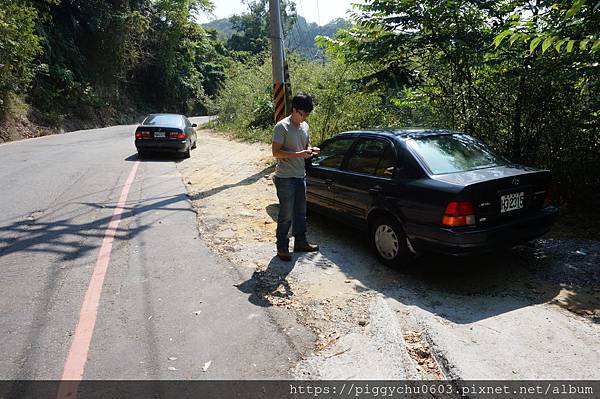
(290,147)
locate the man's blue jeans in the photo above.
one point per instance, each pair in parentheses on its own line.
(291,192)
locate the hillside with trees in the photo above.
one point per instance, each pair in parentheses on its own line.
(84,63)
(300,38)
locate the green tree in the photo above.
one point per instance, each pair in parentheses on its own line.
(114,57)
(564,27)
(252,28)
(184,57)
(434,62)
(19,45)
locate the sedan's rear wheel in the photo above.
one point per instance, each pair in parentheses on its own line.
(187,152)
(390,243)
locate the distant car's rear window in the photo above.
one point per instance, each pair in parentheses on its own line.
(163,120)
(452,153)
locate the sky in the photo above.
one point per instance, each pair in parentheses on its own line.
(318,11)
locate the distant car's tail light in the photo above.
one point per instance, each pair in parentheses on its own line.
(459,214)
(176,135)
(142,135)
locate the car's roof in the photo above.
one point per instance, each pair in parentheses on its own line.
(160,114)
(167,120)
(404,133)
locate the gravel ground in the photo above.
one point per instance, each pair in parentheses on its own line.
(335,292)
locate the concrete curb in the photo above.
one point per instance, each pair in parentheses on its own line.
(388,334)
(377,354)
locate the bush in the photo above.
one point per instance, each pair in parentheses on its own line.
(245,106)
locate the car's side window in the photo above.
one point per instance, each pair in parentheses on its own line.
(332,153)
(372,157)
(386,165)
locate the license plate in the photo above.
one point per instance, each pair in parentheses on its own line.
(511,202)
(159,135)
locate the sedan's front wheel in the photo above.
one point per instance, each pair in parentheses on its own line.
(390,242)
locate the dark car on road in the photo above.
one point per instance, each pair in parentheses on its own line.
(170,133)
(428,190)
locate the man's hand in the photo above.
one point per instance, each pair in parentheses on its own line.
(306,153)
(279,153)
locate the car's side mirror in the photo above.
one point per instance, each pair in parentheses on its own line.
(194,125)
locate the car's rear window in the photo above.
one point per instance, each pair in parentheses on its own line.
(452,153)
(163,120)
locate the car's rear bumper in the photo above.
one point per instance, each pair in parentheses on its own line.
(162,145)
(479,239)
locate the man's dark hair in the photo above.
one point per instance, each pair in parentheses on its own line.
(302,102)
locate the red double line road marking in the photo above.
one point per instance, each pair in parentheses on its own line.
(80,345)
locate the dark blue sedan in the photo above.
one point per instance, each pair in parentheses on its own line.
(428,190)
(170,133)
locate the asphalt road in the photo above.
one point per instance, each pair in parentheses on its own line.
(166,307)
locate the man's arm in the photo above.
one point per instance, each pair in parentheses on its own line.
(280,154)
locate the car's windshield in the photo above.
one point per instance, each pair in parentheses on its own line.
(451,153)
(163,120)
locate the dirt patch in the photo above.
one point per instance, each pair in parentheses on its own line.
(31,123)
(21,128)
(421,353)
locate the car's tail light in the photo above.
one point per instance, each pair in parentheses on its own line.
(459,214)
(176,135)
(142,135)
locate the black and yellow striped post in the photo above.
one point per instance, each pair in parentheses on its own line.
(288,86)
(279,111)
(281,91)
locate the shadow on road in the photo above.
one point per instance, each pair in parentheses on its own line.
(61,234)
(64,237)
(155,157)
(270,283)
(244,182)
(273,211)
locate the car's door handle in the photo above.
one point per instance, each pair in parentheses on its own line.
(376,190)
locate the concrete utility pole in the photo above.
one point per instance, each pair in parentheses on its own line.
(278,60)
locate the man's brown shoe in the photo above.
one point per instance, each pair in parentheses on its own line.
(306,248)
(284,254)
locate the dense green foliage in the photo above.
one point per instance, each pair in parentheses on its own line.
(18,47)
(559,26)
(441,63)
(103,60)
(251,30)
(245,106)
(436,56)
